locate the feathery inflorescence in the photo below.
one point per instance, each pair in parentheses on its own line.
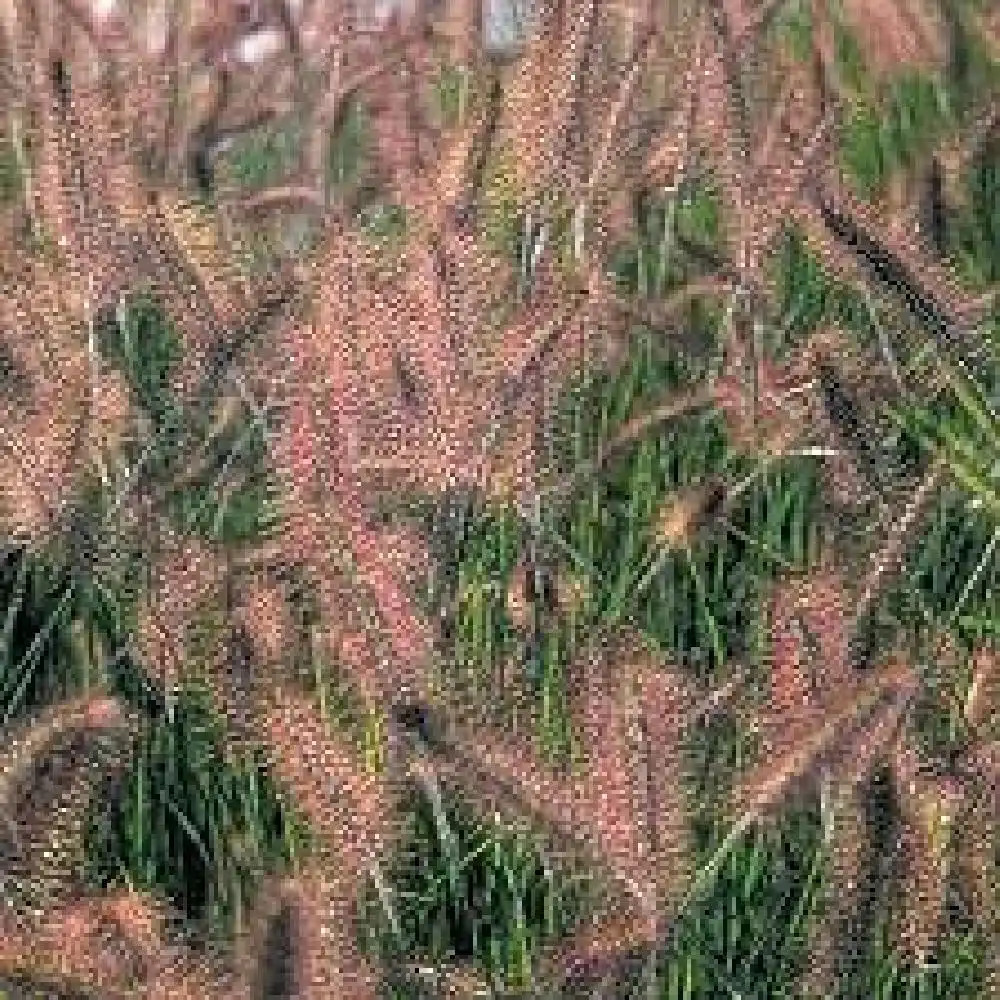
(612,377)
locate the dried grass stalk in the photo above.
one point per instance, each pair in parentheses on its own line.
(847,843)
(51,387)
(607,712)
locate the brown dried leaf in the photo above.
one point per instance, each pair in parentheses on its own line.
(982,700)
(929,808)
(677,520)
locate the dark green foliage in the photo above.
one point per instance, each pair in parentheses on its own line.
(972,71)
(145,346)
(804,289)
(232,500)
(978,239)
(348,146)
(262,158)
(789,873)
(954,976)
(62,630)
(917,111)
(863,153)
(951,578)
(674,240)
(36,641)
(808,298)
(894,131)
(191,822)
(745,935)
(278,977)
(10,171)
(691,601)
(452,93)
(467,890)
(384,223)
(793,22)
(716,750)
(849,59)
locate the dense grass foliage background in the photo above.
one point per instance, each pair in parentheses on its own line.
(195,814)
